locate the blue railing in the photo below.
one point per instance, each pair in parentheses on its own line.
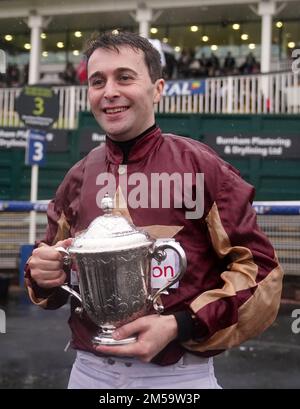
(23,206)
(271,208)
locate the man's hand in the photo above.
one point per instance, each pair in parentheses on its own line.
(46,265)
(154,333)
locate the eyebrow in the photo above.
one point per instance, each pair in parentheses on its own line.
(118,71)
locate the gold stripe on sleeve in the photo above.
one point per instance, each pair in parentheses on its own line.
(255,316)
(242,271)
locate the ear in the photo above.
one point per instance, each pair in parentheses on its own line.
(158,90)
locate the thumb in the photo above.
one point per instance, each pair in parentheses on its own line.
(64,243)
(127,330)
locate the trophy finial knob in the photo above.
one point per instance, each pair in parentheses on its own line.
(107,204)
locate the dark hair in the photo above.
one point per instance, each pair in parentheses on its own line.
(113,40)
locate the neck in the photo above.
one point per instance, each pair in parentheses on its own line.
(126,146)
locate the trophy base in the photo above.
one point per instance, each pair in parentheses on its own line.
(103,339)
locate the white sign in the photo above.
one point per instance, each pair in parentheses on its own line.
(2,62)
(2,322)
(166,270)
(265,146)
(35,153)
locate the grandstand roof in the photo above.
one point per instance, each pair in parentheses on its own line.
(172,17)
(117,12)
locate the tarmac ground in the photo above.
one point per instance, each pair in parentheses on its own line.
(32,352)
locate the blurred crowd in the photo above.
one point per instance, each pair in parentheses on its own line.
(14,77)
(17,77)
(188,65)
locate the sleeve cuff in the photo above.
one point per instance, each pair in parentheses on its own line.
(185,324)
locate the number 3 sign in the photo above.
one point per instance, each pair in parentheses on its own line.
(37,106)
(35,153)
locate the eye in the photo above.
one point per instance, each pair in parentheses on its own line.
(125,77)
(97,82)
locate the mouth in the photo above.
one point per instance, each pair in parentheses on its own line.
(115,110)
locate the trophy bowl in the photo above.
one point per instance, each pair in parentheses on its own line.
(113,261)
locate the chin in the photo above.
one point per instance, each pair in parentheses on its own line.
(115,135)
(120,134)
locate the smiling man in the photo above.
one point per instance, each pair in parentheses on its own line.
(231,289)
(121,92)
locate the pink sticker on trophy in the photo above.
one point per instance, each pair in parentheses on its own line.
(166,270)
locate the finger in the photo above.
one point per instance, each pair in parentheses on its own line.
(129,350)
(42,245)
(64,243)
(132,349)
(50,265)
(45,253)
(50,278)
(130,329)
(51,275)
(46,276)
(51,283)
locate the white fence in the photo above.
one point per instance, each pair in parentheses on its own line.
(256,94)
(277,93)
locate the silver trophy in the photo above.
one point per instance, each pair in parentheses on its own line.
(113,262)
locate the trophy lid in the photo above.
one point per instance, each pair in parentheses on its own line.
(109,232)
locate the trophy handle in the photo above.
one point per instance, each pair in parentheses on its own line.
(159,254)
(67,262)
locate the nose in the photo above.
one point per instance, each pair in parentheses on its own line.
(111,90)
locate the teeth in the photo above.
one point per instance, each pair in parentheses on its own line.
(114,110)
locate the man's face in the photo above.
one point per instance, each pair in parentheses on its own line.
(121,93)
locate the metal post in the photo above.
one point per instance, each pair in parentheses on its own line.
(2,62)
(72,107)
(33,198)
(144,17)
(35,22)
(266,9)
(229,95)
